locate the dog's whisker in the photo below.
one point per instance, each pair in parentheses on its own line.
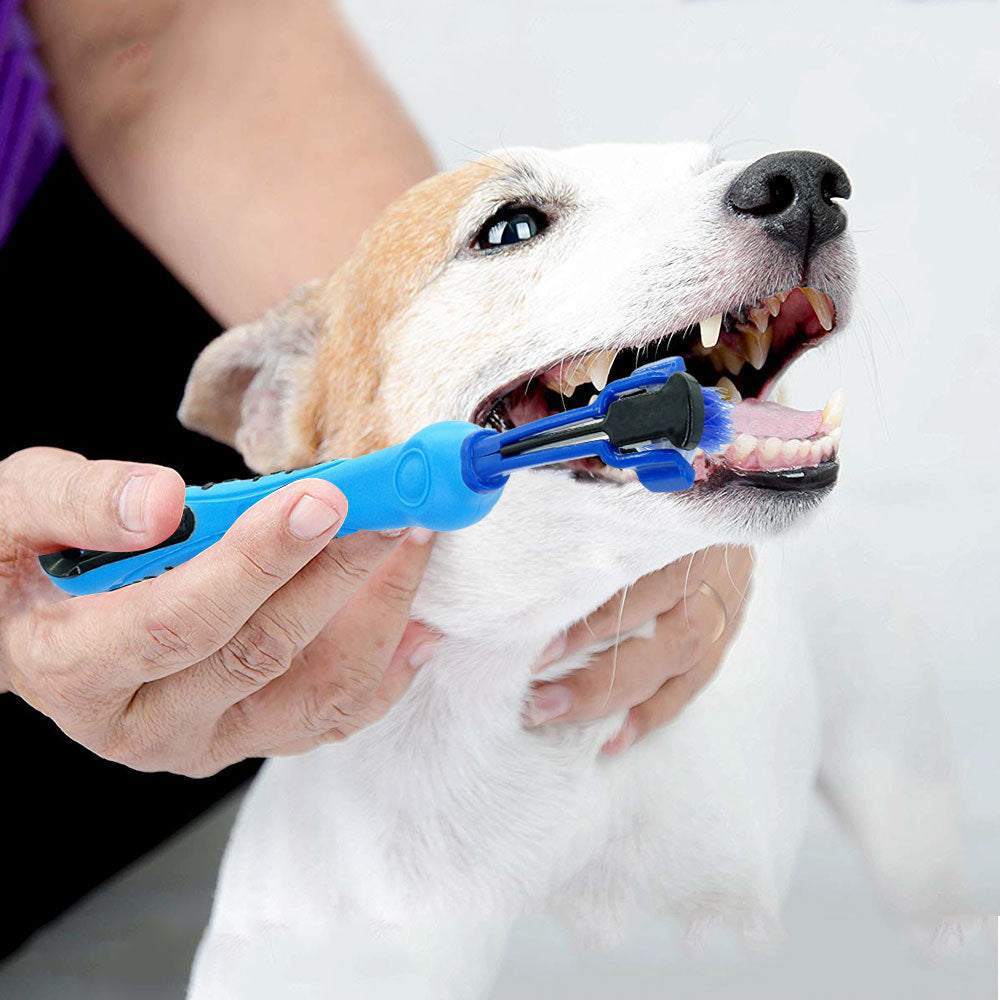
(618,638)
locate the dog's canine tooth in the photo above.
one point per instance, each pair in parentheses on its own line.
(731,358)
(773,304)
(821,305)
(757,345)
(710,329)
(833,412)
(598,366)
(729,391)
(559,383)
(760,317)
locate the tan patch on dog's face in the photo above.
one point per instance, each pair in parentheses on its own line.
(396,258)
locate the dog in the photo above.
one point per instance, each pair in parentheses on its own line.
(394,863)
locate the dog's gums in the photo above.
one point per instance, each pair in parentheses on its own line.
(743,352)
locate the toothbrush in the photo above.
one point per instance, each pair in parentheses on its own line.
(448,475)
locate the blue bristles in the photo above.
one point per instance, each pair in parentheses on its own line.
(718,430)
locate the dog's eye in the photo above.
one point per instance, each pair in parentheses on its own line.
(512,224)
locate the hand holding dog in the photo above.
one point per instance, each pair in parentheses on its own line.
(276,639)
(695,604)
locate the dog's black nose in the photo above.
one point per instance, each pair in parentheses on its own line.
(791,194)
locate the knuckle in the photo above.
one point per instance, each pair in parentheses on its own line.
(255,655)
(344,565)
(183,632)
(262,570)
(398,591)
(335,704)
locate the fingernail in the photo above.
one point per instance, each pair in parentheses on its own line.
(625,738)
(551,653)
(422,653)
(549,702)
(310,517)
(421,536)
(132,501)
(721,622)
(393,532)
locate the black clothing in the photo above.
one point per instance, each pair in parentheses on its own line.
(97,339)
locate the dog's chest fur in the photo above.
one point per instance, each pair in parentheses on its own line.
(472,812)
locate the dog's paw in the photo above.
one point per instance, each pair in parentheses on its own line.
(948,937)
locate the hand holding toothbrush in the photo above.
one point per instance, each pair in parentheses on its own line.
(275,640)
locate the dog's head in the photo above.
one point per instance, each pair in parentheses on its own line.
(517,285)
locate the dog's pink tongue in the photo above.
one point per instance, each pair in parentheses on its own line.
(764,420)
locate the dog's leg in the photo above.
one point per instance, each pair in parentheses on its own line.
(886,764)
(311,905)
(447,959)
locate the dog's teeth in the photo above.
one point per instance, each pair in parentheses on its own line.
(729,391)
(790,450)
(757,345)
(833,413)
(592,400)
(731,359)
(804,448)
(760,317)
(710,330)
(744,445)
(816,452)
(773,304)
(560,383)
(834,436)
(826,446)
(770,448)
(821,305)
(598,366)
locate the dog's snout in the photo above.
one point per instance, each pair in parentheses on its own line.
(791,195)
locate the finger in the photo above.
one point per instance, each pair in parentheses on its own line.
(415,648)
(152,629)
(649,597)
(678,692)
(335,686)
(280,628)
(51,499)
(633,671)
(666,704)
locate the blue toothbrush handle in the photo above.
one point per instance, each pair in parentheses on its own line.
(421,482)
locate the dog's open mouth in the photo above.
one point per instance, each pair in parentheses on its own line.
(742,351)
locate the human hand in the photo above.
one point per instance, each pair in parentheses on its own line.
(277,638)
(696,603)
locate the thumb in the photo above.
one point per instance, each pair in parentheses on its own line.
(51,499)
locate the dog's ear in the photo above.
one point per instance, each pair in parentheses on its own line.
(245,387)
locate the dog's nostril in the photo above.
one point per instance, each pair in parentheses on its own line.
(780,195)
(792,195)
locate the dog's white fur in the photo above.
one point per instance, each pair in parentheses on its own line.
(392,865)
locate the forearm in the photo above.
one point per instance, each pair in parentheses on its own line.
(247,142)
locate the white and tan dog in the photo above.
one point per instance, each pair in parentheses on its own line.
(393,864)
